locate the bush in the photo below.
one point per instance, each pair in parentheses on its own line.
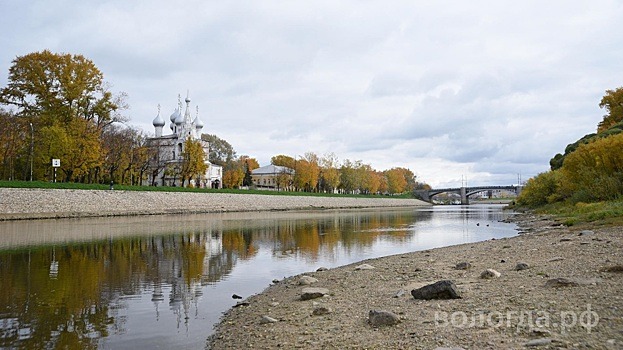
(540,190)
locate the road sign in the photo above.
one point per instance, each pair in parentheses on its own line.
(56,163)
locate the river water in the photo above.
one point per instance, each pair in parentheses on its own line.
(163,281)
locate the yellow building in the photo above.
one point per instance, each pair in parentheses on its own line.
(273,177)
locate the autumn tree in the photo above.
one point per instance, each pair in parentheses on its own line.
(329,173)
(193,160)
(63,91)
(283,160)
(613,103)
(14,146)
(235,172)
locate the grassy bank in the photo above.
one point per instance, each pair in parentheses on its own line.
(81,186)
(607,213)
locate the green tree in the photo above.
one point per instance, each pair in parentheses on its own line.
(221,152)
(540,190)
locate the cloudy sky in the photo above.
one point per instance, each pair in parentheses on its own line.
(474,90)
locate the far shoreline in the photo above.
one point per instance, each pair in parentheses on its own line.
(31,204)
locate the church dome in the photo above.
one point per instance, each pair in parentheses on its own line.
(158,121)
(175,115)
(179,119)
(198,123)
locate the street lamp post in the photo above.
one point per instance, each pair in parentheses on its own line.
(32,138)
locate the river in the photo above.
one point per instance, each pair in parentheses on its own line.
(163,281)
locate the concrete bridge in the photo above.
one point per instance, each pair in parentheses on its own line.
(465,192)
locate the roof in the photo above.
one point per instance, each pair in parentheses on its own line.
(272,169)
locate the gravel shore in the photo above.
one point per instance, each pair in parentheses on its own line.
(558,288)
(18,204)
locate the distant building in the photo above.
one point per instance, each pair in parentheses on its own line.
(166,151)
(273,177)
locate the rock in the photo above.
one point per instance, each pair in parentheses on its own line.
(615,268)
(565,239)
(463,266)
(313,293)
(241,303)
(556,258)
(521,266)
(444,289)
(275,281)
(399,293)
(307,280)
(444,348)
(322,268)
(380,318)
(236,296)
(586,233)
(560,282)
(364,267)
(490,273)
(321,310)
(267,319)
(538,342)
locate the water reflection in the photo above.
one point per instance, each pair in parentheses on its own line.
(163,281)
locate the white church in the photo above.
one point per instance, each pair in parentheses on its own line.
(166,151)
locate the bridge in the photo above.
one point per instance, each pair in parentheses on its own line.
(465,192)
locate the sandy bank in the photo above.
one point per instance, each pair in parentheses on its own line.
(18,204)
(568,297)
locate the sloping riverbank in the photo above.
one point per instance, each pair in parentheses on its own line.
(558,288)
(16,203)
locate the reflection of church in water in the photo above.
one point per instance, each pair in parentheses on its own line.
(166,151)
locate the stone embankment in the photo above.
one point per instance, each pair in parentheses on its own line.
(51,203)
(551,287)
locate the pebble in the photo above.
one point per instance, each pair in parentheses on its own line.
(364,267)
(521,266)
(490,273)
(539,342)
(307,280)
(322,310)
(267,319)
(463,266)
(313,293)
(380,318)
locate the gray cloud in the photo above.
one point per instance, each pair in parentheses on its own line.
(480,90)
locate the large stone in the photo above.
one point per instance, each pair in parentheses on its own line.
(444,289)
(313,293)
(380,318)
(307,280)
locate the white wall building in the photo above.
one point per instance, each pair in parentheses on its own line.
(166,151)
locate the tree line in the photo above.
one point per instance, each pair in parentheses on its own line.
(60,107)
(591,169)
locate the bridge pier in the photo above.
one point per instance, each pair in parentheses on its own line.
(464,198)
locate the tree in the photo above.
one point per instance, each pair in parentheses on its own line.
(283,160)
(613,103)
(63,91)
(329,173)
(221,152)
(14,145)
(396,182)
(193,160)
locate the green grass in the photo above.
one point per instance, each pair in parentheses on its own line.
(81,186)
(608,213)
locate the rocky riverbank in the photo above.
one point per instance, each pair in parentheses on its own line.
(550,287)
(16,203)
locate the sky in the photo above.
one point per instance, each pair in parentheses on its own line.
(460,92)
